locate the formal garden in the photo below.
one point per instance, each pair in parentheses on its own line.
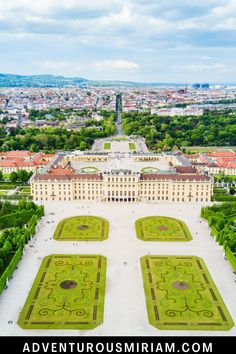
(17,225)
(181,295)
(161,228)
(68,293)
(82,228)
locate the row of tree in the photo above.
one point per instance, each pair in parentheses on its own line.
(216,128)
(23,217)
(222,220)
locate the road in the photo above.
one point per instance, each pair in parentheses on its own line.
(119,115)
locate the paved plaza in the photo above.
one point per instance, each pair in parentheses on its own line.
(125,310)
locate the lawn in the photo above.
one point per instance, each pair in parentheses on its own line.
(68,293)
(150,170)
(161,228)
(198,149)
(132,146)
(106,146)
(89,169)
(82,228)
(120,139)
(181,295)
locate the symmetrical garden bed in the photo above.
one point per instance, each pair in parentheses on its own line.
(68,293)
(180,294)
(161,228)
(82,228)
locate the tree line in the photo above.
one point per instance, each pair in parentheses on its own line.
(18,224)
(221,219)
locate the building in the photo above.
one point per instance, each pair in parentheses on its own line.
(62,182)
(220,162)
(12,161)
(172,112)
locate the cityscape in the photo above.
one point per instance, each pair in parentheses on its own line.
(118,192)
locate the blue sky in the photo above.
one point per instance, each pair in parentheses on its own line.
(138,40)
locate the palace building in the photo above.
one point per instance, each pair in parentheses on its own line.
(121,178)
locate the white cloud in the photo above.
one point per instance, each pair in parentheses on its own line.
(119,64)
(59,67)
(199,67)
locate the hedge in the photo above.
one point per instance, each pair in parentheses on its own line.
(224,198)
(30,230)
(18,218)
(16,197)
(10,269)
(231,257)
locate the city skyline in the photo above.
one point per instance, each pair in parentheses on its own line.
(132,40)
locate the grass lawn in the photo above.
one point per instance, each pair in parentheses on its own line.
(89,169)
(68,293)
(181,295)
(120,139)
(132,146)
(3,192)
(7,186)
(161,228)
(82,228)
(197,149)
(107,146)
(150,170)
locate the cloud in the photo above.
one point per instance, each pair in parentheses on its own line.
(199,67)
(119,64)
(151,35)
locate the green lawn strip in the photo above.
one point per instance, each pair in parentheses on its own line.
(132,146)
(7,186)
(68,293)
(162,229)
(150,170)
(120,139)
(82,228)
(181,295)
(89,169)
(24,189)
(106,146)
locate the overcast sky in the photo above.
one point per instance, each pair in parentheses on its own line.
(138,40)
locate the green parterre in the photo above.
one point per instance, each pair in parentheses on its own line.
(68,293)
(82,228)
(180,294)
(161,228)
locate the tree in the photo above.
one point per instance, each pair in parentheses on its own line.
(13,177)
(1,176)
(34,148)
(23,176)
(83,145)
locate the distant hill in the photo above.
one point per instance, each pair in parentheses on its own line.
(10,80)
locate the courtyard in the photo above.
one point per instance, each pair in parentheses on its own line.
(125,311)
